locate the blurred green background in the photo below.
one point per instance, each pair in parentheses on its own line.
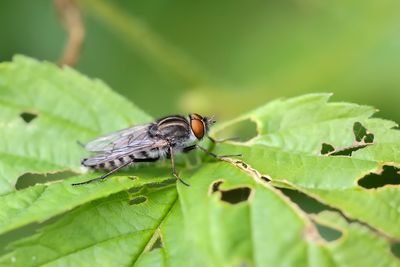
(223,57)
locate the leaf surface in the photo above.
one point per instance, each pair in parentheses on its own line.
(233,213)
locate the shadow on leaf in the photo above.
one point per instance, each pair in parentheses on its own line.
(30,179)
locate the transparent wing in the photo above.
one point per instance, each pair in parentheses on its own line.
(122,152)
(126,142)
(129,137)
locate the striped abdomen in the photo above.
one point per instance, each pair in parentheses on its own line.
(108,164)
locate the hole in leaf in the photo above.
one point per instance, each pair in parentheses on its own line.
(388,175)
(232,196)
(157,244)
(395,248)
(244,165)
(243,131)
(137,200)
(27,116)
(327,148)
(362,137)
(236,195)
(30,179)
(361,133)
(215,186)
(266,178)
(369,138)
(328,233)
(305,202)
(348,151)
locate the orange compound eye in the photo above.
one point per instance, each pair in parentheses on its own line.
(197,128)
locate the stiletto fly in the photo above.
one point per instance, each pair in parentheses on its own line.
(148,143)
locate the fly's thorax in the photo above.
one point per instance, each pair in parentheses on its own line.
(172,128)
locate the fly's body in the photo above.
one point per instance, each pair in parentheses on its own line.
(147,143)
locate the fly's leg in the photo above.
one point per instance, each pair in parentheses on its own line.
(215,155)
(215,141)
(104,176)
(80,144)
(171,153)
(118,168)
(188,148)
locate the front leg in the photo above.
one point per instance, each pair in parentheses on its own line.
(188,148)
(171,153)
(215,155)
(215,141)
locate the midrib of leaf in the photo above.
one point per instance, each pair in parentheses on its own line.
(19,217)
(160,219)
(163,217)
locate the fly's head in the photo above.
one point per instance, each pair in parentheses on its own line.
(200,125)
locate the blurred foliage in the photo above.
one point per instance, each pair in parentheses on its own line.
(223,57)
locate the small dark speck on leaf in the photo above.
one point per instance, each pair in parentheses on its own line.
(388,175)
(27,116)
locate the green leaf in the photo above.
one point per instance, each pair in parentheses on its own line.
(233,213)
(69,108)
(41,202)
(267,229)
(106,232)
(288,151)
